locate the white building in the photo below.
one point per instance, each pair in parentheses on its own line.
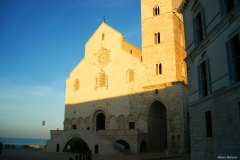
(212,35)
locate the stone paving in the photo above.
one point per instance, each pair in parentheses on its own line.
(38,154)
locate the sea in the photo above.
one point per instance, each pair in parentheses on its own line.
(23,141)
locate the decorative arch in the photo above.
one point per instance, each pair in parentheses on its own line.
(81,123)
(131,119)
(74,123)
(67,124)
(88,123)
(121,122)
(100,118)
(152,101)
(113,123)
(141,123)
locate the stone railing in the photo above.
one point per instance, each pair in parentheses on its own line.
(55,133)
(127,132)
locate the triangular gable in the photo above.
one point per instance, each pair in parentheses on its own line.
(103,24)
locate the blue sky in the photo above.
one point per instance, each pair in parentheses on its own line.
(41,41)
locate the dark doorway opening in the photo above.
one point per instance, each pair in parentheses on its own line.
(76,145)
(157,126)
(143,146)
(96,149)
(124,143)
(100,121)
(57,147)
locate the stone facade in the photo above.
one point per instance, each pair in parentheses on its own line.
(212,42)
(120,97)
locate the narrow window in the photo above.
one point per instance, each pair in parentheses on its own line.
(155,38)
(204,79)
(156,91)
(156,11)
(233,56)
(160,68)
(208,120)
(131,125)
(156,69)
(199,27)
(102,36)
(131,51)
(158,37)
(226,6)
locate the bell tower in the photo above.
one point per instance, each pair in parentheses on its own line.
(163,41)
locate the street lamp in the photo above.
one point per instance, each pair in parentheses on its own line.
(43,123)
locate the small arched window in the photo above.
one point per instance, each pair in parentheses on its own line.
(76,85)
(130,75)
(156,10)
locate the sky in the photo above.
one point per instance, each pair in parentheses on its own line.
(41,42)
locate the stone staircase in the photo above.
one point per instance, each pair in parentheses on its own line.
(105,145)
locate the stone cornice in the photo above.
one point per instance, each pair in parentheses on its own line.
(162,85)
(215,94)
(183,6)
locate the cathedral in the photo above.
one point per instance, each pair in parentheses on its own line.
(121,99)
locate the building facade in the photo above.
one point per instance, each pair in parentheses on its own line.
(212,35)
(122,99)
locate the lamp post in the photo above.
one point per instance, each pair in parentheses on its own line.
(43,123)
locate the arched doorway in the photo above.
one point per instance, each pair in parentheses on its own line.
(143,146)
(124,143)
(157,126)
(76,145)
(96,149)
(100,121)
(57,147)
